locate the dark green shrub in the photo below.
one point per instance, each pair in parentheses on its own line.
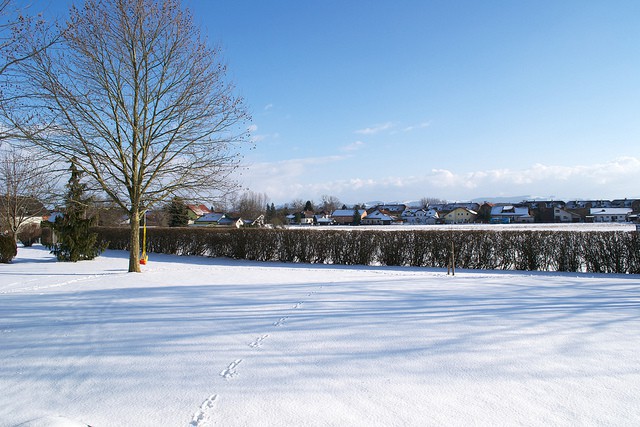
(74,239)
(8,248)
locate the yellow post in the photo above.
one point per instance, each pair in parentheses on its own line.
(144,258)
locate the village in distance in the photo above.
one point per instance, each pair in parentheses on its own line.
(330,212)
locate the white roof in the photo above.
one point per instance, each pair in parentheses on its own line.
(379,215)
(346,212)
(210,217)
(610,211)
(510,210)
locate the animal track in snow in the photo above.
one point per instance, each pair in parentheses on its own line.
(203,415)
(298,304)
(280,321)
(258,341)
(230,372)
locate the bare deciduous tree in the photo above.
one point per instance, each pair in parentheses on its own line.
(428,201)
(136,95)
(296,205)
(25,184)
(329,203)
(250,205)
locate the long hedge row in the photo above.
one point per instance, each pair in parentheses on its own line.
(597,252)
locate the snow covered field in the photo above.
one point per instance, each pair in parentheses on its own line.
(196,341)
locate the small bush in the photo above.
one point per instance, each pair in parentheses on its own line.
(8,248)
(29,234)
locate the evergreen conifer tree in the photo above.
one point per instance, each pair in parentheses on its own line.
(76,242)
(178,213)
(271,213)
(308,206)
(356,216)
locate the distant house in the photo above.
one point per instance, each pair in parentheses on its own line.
(197,211)
(624,203)
(589,204)
(390,209)
(417,216)
(449,207)
(511,213)
(345,216)
(561,215)
(460,216)
(301,218)
(306,218)
(544,204)
(609,214)
(218,219)
(378,218)
(322,220)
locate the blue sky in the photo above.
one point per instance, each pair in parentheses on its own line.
(394,101)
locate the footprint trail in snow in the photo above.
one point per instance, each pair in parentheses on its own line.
(204,414)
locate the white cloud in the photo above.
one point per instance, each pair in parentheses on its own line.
(268,107)
(375,129)
(309,178)
(354,146)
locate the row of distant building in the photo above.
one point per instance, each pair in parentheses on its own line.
(626,210)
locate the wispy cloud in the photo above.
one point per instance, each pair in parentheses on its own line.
(268,107)
(417,126)
(392,128)
(256,137)
(354,146)
(375,129)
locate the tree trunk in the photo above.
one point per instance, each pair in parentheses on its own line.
(134,254)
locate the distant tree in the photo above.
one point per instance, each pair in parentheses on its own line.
(107,213)
(309,206)
(177,213)
(296,205)
(357,219)
(344,207)
(428,201)
(270,213)
(76,242)
(158,217)
(329,203)
(25,183)
(249,205)
(484,213)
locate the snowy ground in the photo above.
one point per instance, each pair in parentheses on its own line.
(196,341)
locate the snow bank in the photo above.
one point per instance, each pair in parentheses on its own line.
(195,341)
